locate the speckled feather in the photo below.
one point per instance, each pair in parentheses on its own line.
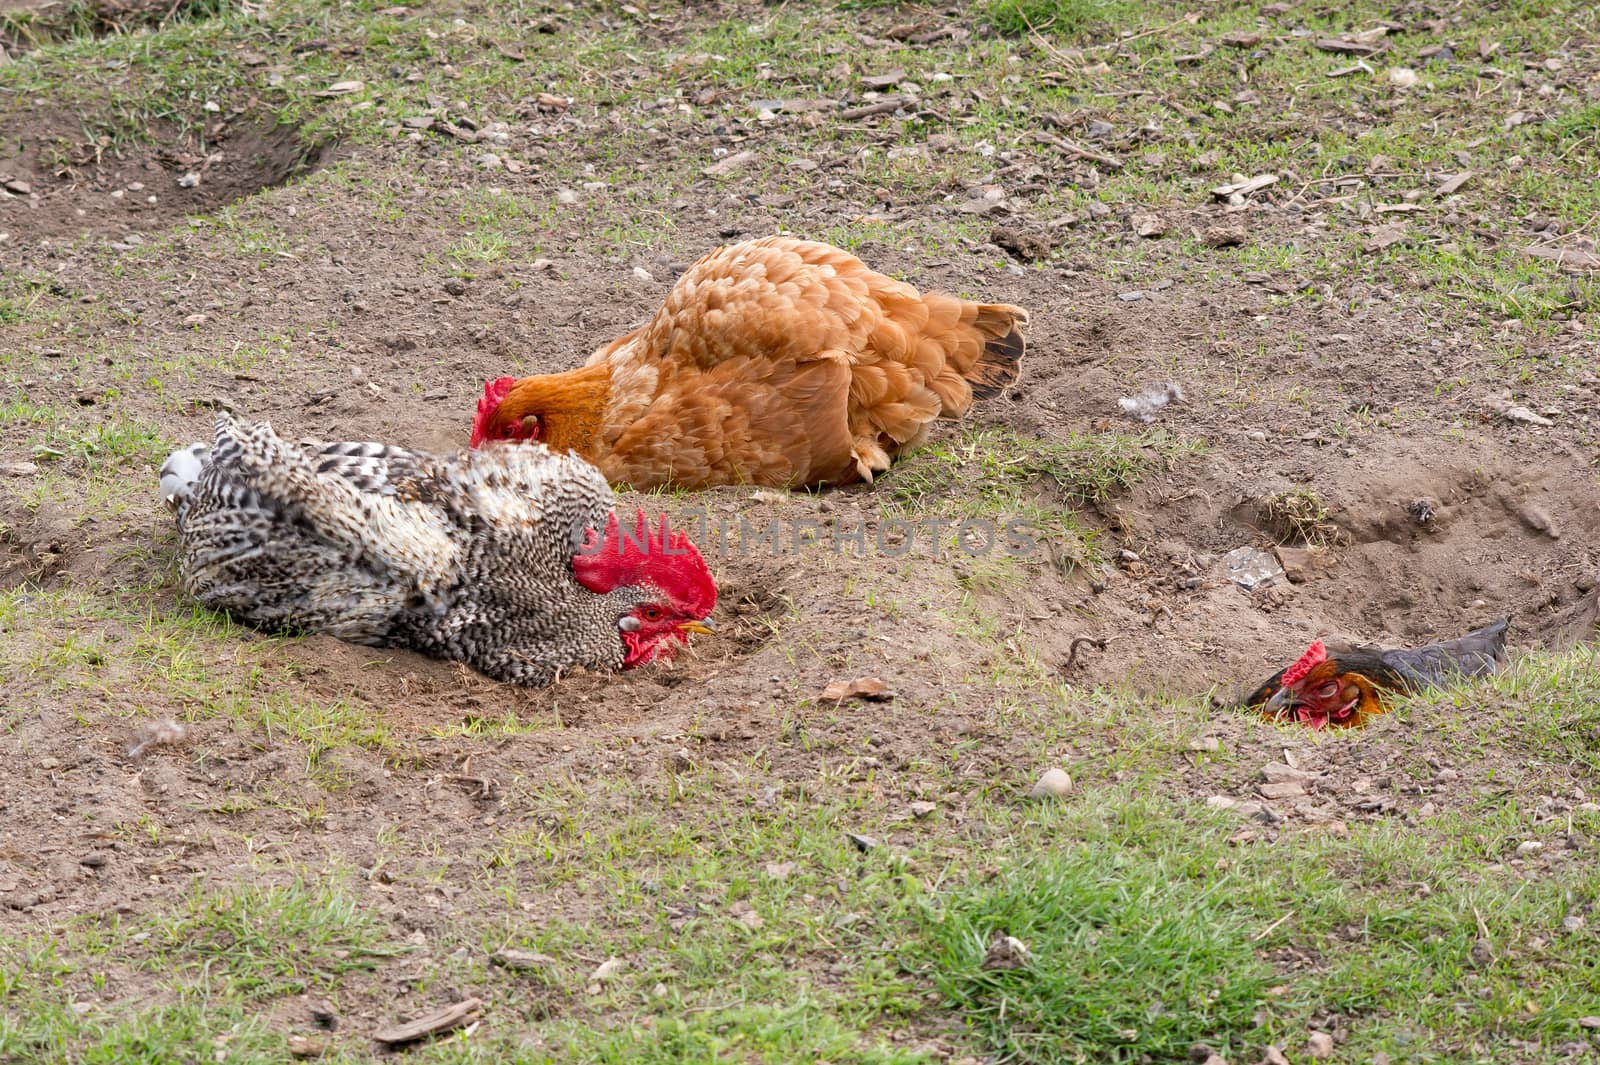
(466,557)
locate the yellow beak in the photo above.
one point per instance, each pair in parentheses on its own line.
(703,625)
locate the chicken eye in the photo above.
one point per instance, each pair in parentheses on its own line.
(1327,690)
(652,613)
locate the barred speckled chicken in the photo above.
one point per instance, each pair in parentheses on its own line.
(510,559)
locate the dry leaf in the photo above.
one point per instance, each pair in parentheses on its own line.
(343,88)
(872,689)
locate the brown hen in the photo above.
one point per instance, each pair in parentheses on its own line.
(776,362)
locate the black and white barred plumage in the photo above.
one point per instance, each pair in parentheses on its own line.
(466,557)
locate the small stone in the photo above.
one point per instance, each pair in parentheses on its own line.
(1482,952)
(1319,1045)
(1273,1056)
(641,274)
(1149,226)
(17,186)
(1402,77)
(860,842)
(488,160)
(189,180)
(1529,848)
(1205,743)
(521,960)
(300,1046)
(1054,783)
(1283,789)
(1572,923)
(681,761)
(323,1016)
(1589,1022)
(607,970)
(780,870)
(920,810)
(455,286)
(1224,236)
(94,860)
(566,197)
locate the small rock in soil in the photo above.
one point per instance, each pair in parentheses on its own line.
(94,860)
(1589,1022)
(1053,783)
(920,810)
(1149,226)
(1300,564)
(642,275)
(1319,1045)
(300,1046)
(323,1016)
(1572,923)
(1205,743)
(1224,236)
(780,870)
(860,842)
(1482,952)
(1273,1056)
(522,960)
(455,287)
(1528,848)
(566,197)
(1028,247)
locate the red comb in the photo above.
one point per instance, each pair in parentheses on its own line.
(494,393)
(1315,655)
(658,557)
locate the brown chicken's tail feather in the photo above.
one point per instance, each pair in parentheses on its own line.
(1002,327)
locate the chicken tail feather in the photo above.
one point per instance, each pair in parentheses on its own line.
(1002,327)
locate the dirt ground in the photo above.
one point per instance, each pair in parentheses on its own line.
(1457,488)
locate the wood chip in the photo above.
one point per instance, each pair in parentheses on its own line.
(1398,208)
(723,167)
(1453,184)
(881,107)
(1351,69)
(342,88)
(1365,43)
(1574,258)
(440,1020)
(1242,39)
(872,689)
(1245,188)
(1384,236)
(884,81)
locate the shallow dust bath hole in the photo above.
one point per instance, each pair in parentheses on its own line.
(58,187)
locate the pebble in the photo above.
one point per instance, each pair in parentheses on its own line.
(641,274)
(1528,848)
(1319,1045)
(522,960)
(1054,783)
(1573,923)
(189,180)
(455,286)
(566,197)
(1273,1056)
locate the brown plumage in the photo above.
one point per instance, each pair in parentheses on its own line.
(774,362)
(1346,687)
